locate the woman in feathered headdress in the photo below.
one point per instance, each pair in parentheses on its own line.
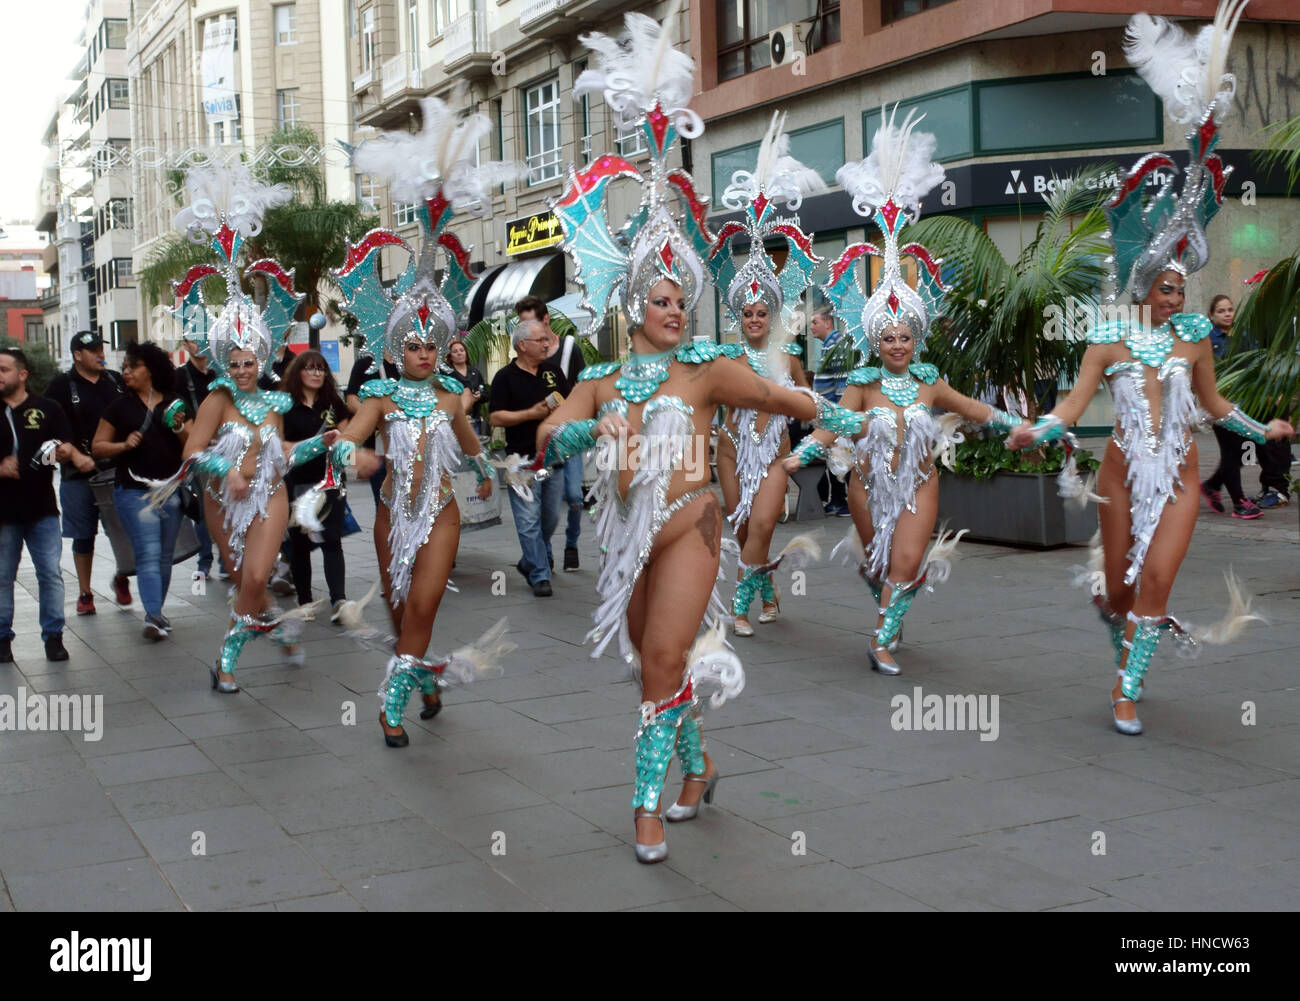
(659,524)
(420,415)
(1158,361)
(894,498)
(237,438)
(761,303)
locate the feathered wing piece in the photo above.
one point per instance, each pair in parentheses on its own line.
(226,205)
(889,185)
(1189,76)
(778,177)
(435,167)
(647,84)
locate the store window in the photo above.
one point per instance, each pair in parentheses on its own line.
(542,113)
(947,117)
(820,147)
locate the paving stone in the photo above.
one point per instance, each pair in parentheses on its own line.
(816,887)
(457,886)
(249,877)
(66,846)
(365,850)
(224,830)
(172,796)
(135,885)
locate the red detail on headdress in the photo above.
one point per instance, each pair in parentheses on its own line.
(1215,166)
(666,257)
(890,211)
(266,266)
(453,246)
(893,303)
(358,252)
(798,237)
(1138,175)
(423,313)
(1180,249)
(194,274)
(239,323)
(658,124)
(1209,128)
(923,257)
(604,167)
(760,206)
(849,257)
(727,232)
(753,287)
(226,238)
(437,206)
(681,180)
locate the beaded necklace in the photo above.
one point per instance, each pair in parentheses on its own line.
(1150,346)
(642,375)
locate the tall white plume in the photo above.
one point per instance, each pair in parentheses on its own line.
(229,192)
(1187,73)
(639,69)
(901,166)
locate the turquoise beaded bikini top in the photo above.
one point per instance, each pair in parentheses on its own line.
(253,407)
(901,390)
(1151,346)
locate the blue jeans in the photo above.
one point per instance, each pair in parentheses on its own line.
(45,546)
(153,537)
(535,523)
(573,498)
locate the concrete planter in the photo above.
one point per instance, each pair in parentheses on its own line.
(1021,509)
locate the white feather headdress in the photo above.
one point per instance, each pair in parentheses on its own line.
(229,195)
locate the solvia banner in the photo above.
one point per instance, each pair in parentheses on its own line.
(218,69)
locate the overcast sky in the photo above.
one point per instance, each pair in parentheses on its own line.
(38,48)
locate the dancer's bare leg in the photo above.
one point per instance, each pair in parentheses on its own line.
(907,549)
(764,512)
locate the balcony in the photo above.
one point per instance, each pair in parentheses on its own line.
(465,47)
(401,73)
(401,85)
(544,18)
(363,80)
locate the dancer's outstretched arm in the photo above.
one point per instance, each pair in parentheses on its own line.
(1052,426)
(973,410)
(734,384)
(1225,412)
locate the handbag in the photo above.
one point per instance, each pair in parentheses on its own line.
(350,526)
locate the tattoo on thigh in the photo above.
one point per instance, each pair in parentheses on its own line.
(709,525)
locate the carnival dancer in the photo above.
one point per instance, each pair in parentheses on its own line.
(763,304)
(659,525)
(236,440)
(419,415)
(894,498)
(1158,362)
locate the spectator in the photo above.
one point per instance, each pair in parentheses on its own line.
(357,378)
(317,408)
(833,368)
(471,378)
(568,361)
(136,431)
(523,393)
(1231,445)
(192,382)
(83,392)
(271,380)
(28,511)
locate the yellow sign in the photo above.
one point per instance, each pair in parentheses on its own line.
(533,233)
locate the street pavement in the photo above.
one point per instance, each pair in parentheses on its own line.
(518,795)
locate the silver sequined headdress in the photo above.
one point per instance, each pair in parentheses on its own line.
(226,206)
(646,84)
(889,185)
(434,167)
(1167,232)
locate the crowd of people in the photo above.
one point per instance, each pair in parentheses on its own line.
(261,470)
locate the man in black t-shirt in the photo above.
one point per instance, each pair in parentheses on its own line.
(566,357)
(523,394)
(357,378)
(34,433)
(84,393)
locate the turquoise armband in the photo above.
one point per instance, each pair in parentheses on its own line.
(210,464)
(1244,425)
(343,453)
(568,440)
(833,417)
(1049,428)
(1000,420)
(809,450)
(483,468)
(174,415)
(306,450)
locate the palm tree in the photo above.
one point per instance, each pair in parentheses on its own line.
(1263,373)
(1282,148)
(306,235)
(996,331)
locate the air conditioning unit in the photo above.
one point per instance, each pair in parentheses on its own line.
(785,41)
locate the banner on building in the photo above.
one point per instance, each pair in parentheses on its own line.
(218,68)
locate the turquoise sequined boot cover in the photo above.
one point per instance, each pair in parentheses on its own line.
(746,588)
(405,673)
(242,629)
(655,739)
(1115,623)
(767,589)
(1140,651)
(690,746)
(900,600)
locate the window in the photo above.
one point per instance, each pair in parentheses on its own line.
(443,11)
(198,37)
(542,111)
(744,26)
(947,117)
(122,274)
(584,116)
(119,93)
(820,147)
(286,24)
(413,29)
(231,131)
(115,33)
(894,10)
(287,102)
(367,193)
(124,332)
(404,213)
(118,214)
(631,140)
(368,39)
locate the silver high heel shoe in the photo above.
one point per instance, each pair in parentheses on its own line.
(225,687)
(896,641)
(879,665)
(677,812)
(1132,727)
(650,853)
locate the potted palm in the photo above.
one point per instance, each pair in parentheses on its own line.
(1006,325)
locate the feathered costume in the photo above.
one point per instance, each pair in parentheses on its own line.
(1163,233)
(226,206)
(896,453)
(434,168)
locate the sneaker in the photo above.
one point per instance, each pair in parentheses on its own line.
(166,622)
(6,652)
(122,589)
(542,589)
(54,649)
(1272,497)
(153,629)
(571,559)
(843,511)
(86,604)
(1213,499)
(222,573)
(336,609)
(1246,510)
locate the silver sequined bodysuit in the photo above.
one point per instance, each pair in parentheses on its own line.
(233,442)
(755,450)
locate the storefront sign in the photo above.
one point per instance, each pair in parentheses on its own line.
(533,232)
